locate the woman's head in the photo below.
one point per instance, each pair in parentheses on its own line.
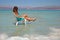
(15,9)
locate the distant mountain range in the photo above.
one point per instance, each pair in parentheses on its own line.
(46,8)
(36,8)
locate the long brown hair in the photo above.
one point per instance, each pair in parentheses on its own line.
(15,9)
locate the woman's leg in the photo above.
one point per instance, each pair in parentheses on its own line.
(29,18)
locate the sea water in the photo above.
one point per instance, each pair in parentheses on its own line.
(46,26)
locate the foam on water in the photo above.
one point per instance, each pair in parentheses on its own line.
(53,35)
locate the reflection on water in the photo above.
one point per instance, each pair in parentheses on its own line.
(23,29)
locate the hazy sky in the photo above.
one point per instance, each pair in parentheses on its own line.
(33,3)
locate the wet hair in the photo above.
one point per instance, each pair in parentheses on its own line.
(15,9)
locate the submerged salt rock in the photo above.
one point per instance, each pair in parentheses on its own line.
(17,38)
(3,36)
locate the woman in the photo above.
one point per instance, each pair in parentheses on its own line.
(15,10)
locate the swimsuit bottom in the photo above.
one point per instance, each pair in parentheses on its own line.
(19,19)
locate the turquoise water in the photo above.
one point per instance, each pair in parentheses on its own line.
(44,20)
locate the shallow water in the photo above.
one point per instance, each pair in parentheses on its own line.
(45,19)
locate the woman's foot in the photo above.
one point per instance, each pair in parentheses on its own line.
(34,19)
